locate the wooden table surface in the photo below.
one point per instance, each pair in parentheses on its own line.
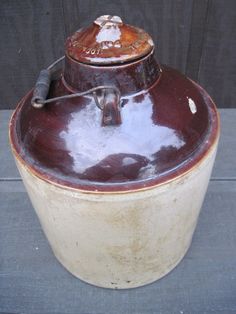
(32,281)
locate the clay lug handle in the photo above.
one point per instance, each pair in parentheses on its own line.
(111,109)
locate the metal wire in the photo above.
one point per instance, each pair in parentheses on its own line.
(89,91)
(38,103)
(51,66)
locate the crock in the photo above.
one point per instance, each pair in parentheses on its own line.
(115,151)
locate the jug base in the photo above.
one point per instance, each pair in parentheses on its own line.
(125,284)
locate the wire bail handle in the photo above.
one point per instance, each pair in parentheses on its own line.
(109,102)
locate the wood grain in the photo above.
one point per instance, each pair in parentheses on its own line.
(32,36)
(195,47)
(218,61)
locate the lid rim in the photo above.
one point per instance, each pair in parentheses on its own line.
(113,65)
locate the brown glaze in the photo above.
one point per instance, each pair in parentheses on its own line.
(111,109)
(165,131)
(165,126)
(129,78)
(108,40)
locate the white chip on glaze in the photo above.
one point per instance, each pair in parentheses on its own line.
(192,106)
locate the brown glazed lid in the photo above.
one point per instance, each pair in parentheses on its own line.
(142,124)
(108,40)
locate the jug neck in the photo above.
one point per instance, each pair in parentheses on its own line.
(129,78)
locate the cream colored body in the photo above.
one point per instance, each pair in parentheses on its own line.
(121,240)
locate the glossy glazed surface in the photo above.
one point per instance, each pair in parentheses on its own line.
(129,78)
(165,130)
(108,40)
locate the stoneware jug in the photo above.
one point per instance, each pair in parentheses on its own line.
(116,152)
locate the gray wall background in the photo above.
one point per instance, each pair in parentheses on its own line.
(198,37)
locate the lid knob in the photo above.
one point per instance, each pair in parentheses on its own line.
(108,20)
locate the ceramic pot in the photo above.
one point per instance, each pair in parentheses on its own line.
(116,152)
